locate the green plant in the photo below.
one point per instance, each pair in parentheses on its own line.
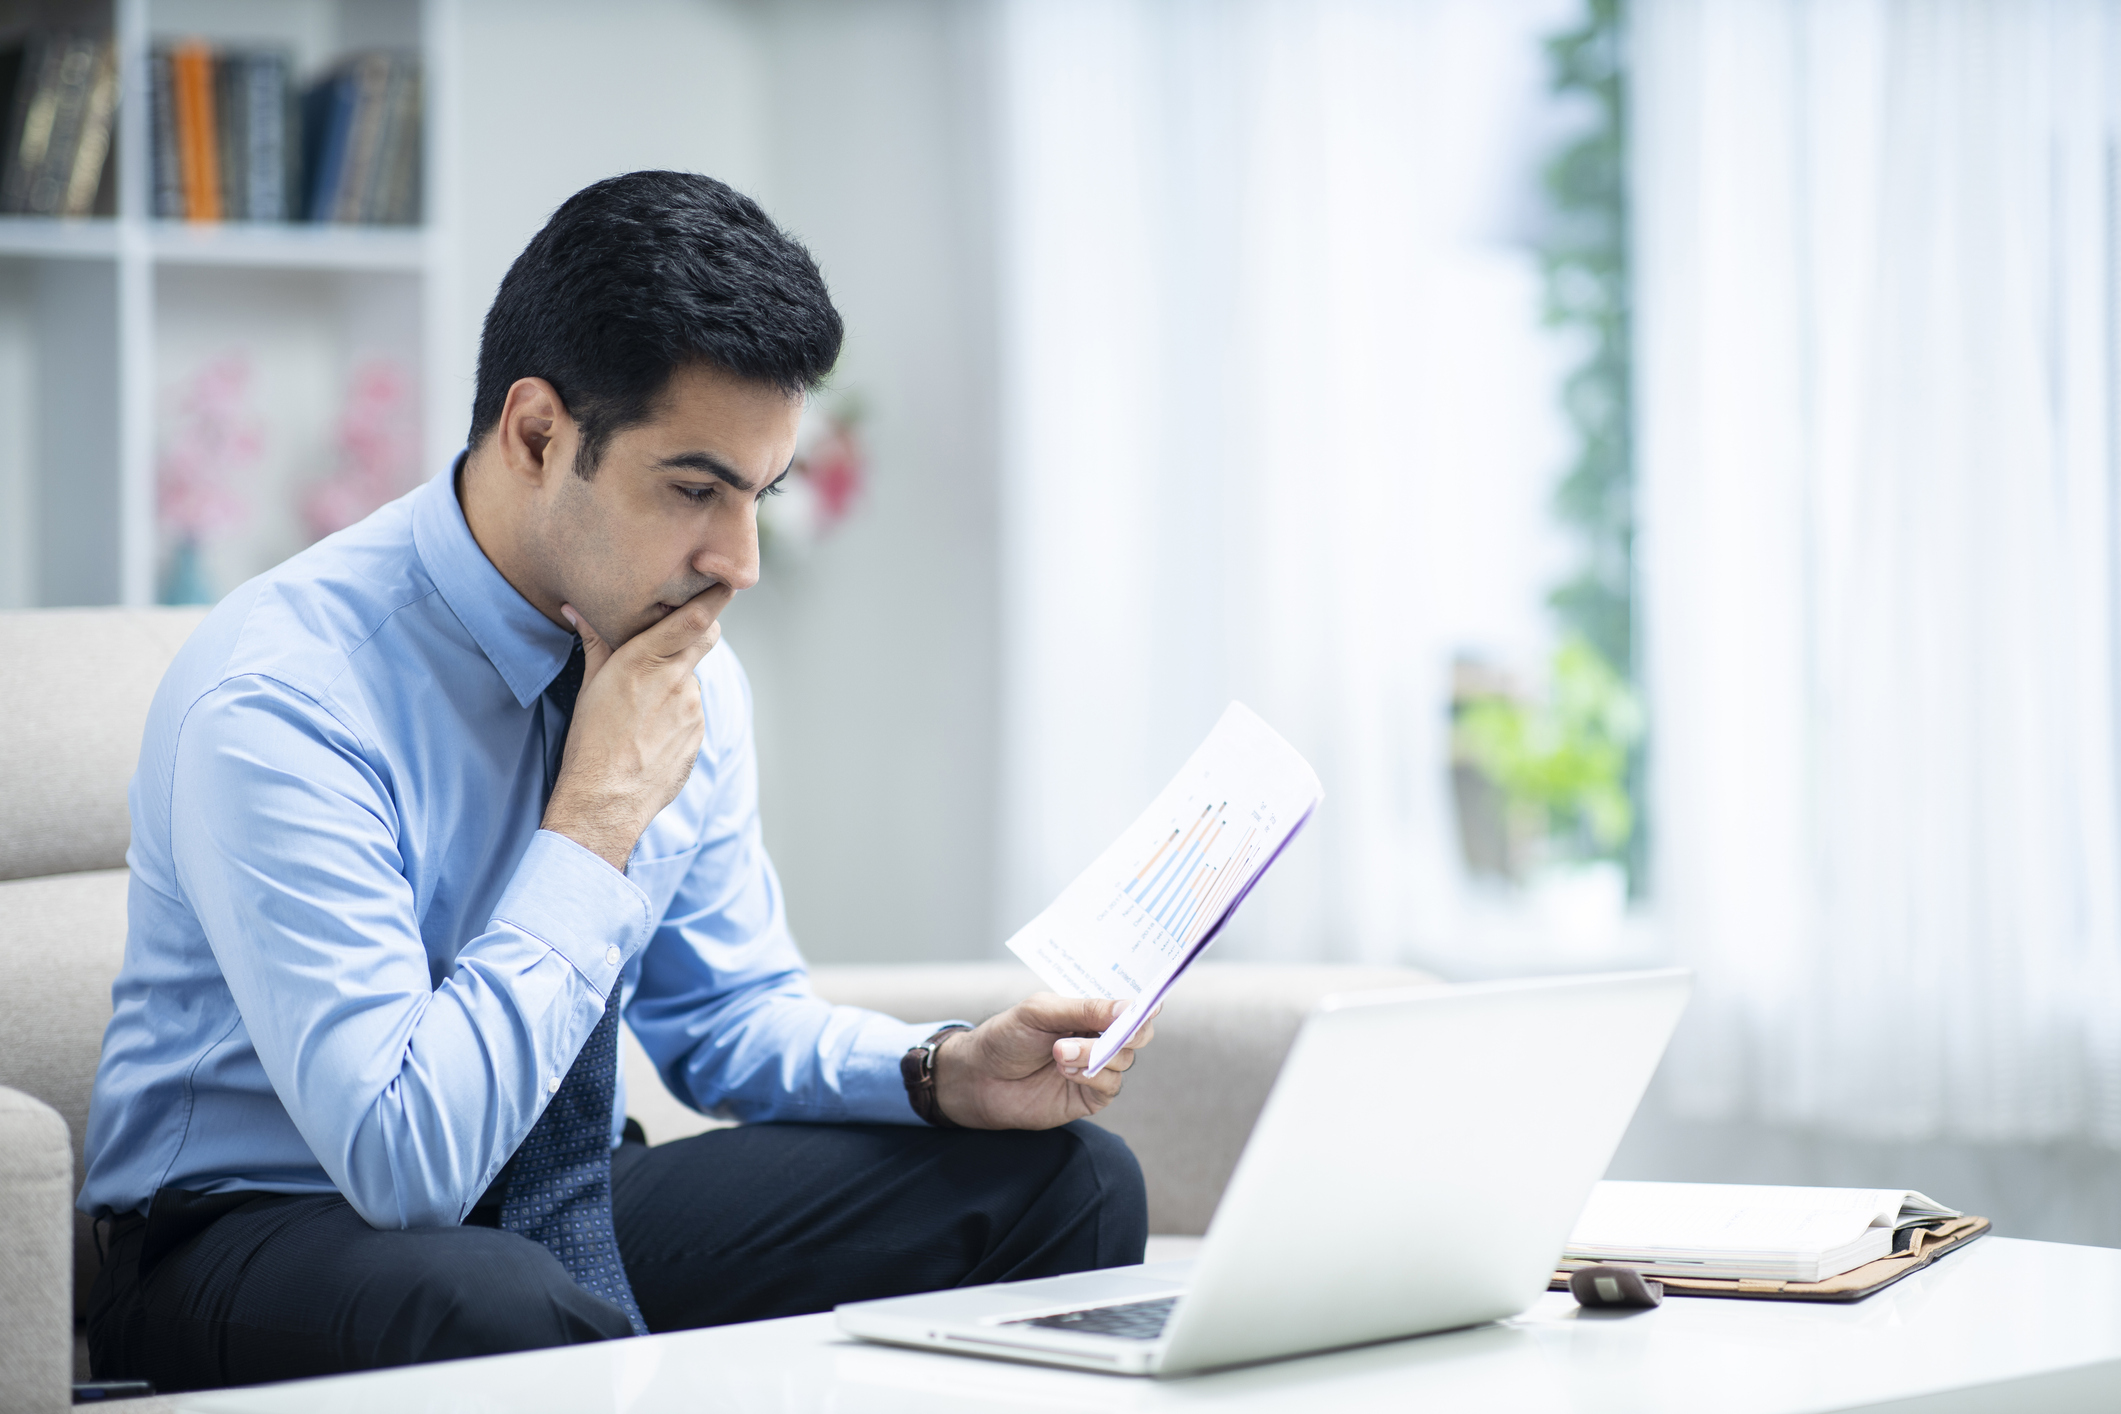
(1585,261)
(1564,760)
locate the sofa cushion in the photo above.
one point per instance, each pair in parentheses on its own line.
(73,733)
(61,941)
(36,1338)
(1192,1095)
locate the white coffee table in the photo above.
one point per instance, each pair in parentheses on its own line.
(2000,1325)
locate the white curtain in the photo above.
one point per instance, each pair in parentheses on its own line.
(1280,423)
(1875,247)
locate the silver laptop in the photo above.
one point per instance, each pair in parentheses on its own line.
(1417,1168)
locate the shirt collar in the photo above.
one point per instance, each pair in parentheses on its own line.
(525,647)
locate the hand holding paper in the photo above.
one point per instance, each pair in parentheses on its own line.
(1023,1068)
(1133,921)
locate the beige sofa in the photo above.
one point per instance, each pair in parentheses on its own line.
(73,698)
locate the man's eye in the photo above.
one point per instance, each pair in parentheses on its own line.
(698,495)
(780,484)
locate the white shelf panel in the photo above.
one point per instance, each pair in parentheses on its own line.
(271,246)
(49,238)
(289,247)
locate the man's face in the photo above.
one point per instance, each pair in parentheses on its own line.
(672,507)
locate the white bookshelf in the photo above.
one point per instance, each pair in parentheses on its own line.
(39,238)
(102,320)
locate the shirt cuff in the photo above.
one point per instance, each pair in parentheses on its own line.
(579,906)
(871,1085)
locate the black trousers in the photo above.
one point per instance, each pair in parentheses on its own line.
(732,1225)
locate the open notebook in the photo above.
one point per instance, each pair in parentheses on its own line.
(1139,915)
(1743,1231)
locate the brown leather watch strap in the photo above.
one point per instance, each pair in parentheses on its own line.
(917,1069)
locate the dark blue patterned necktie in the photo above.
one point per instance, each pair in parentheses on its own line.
(558,1183)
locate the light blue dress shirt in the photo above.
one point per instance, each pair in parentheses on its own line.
(355,962)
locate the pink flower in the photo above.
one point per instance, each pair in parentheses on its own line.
(831,472)
(837,470)
(378,450)
(214,437)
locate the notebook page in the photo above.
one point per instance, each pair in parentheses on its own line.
(1741,1226)
(1149,904)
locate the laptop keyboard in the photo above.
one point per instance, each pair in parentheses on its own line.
(1137,1320)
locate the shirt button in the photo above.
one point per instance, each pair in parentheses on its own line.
(552,1085)
(611,957)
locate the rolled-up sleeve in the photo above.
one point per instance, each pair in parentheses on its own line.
(724,1005)
(411,1093)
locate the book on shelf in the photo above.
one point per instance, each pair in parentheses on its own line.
(232,142)
(393,193)
(168,181)
(1744,1232)
(198,154)
(59,95)
(361,137)
(266,152)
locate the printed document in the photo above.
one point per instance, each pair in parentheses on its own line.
(1134,920)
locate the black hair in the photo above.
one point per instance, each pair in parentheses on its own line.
(637,276)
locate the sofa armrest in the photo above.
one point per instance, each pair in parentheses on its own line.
(1192,1096)
(36,1257)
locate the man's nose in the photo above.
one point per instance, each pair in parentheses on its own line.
(732,557)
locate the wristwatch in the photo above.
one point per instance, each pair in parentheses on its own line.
(917,1069)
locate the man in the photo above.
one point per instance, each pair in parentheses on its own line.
(422,812)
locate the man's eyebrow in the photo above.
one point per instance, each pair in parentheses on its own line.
(711,465)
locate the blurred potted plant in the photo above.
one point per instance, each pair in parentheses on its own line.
(1542,784)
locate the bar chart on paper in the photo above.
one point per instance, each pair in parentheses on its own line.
(1190,877)
(1134,919)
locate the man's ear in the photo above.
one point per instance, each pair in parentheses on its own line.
(537,438)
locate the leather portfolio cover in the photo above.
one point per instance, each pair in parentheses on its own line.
(1924,1245)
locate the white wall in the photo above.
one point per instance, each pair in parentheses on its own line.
(860,126)
(552,96)
(874,659)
